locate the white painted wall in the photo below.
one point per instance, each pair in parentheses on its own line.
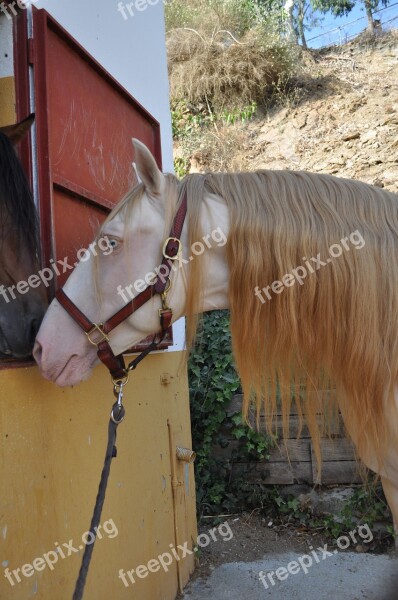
(6,48)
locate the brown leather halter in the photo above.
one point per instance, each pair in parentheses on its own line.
(97,333)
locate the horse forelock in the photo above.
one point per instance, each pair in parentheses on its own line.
(17,207)
(340,327)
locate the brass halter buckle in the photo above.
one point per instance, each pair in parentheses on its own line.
(179,251)
(97,328)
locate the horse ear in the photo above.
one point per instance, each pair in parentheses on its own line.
(147,169)
(16,132)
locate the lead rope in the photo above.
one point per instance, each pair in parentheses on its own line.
(117,416)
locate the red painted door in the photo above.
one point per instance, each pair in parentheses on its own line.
(84,121)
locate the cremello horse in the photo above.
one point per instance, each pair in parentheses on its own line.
(307,264)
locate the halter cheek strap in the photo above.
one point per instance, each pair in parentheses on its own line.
(97,333)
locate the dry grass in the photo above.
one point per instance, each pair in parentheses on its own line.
(220,150)
(209,16)
(183,44)
(225,72)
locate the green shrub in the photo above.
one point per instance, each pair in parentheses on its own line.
(208,16)
(213,382)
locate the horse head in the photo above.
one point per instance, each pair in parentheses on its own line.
(112,275)
(22,307)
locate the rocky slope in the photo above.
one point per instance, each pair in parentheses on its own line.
(345,122)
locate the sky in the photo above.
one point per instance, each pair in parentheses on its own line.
(345,25)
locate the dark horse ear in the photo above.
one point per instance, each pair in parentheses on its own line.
(16,132)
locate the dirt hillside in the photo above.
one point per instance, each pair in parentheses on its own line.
(344,122)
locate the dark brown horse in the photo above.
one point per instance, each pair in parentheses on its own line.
(21,306)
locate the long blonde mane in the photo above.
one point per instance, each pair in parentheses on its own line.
(341,326)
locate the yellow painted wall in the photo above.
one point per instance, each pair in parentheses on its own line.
(52,450)
(7,101)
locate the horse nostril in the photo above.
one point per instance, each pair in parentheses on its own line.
(34,328)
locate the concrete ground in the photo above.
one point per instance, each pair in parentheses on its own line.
(341,576)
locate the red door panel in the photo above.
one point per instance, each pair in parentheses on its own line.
(91,124)
(85,121)
(73,235)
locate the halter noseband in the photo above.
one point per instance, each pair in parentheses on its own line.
(97,333)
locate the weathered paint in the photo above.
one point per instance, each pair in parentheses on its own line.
(52,449)
(7,115)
